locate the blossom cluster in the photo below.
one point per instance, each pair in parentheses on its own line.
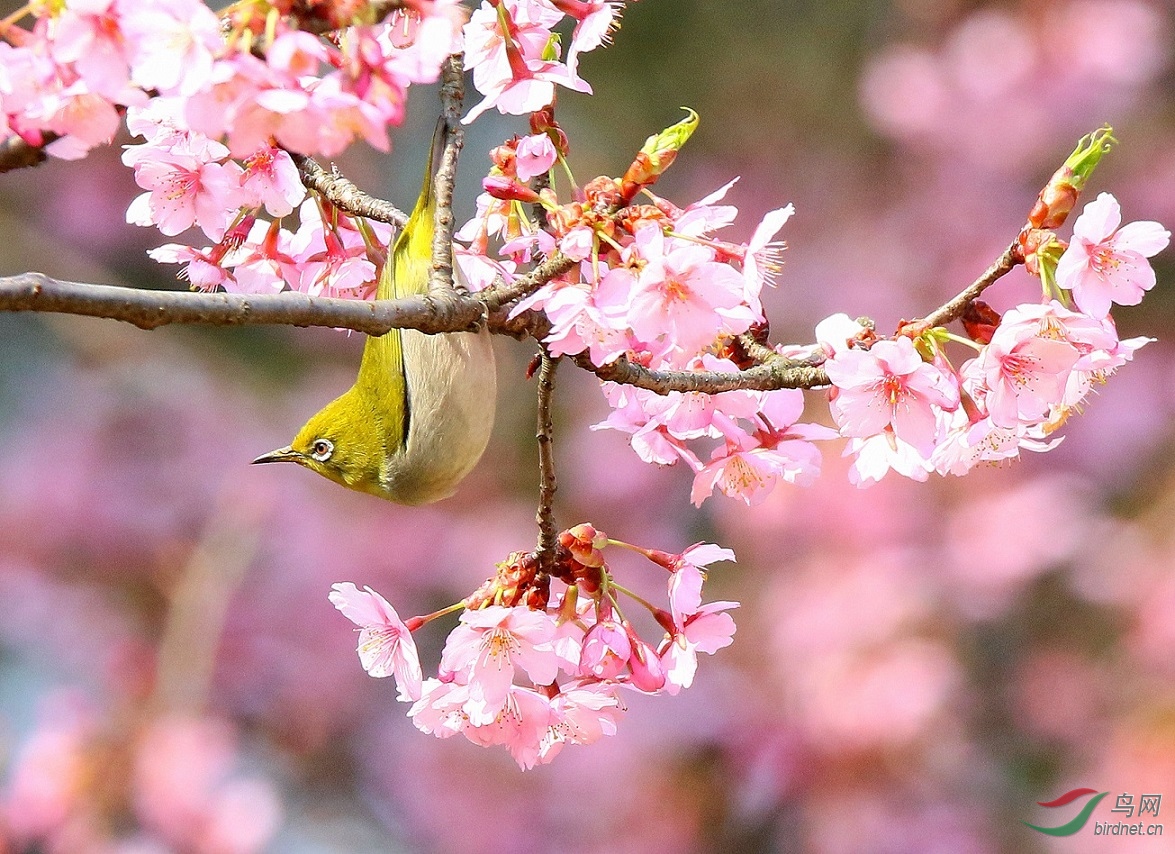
(533,669)
(220,101)
(913,412)
(654,285)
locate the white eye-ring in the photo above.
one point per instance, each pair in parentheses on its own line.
(322,449)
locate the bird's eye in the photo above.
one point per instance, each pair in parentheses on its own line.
(322,449)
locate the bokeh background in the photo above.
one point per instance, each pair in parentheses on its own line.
(915,664)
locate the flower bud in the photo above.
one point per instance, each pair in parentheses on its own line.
(543,121)
(657,154)
(980,321)
(1059,195)
(647,672)
(606,650)
(508,189)
(585,544)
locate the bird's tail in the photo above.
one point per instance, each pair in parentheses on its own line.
(407,270)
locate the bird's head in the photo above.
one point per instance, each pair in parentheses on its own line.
(341,442)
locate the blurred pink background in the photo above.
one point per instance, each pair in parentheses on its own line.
(916,664)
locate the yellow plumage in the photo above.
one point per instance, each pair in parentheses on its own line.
(419,415)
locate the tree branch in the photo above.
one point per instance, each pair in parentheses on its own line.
(344,195)
(452,94)
(775,374)
(149,309)
(544,434)
(954,308)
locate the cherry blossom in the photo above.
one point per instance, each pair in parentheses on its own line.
(385,646)
(707,630)
(536,155)
(1021,373)
(535,677)
(890,385)
(488,646)
(1106,262)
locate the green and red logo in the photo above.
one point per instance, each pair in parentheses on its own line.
(1079,820)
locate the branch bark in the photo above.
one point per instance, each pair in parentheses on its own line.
(775,374)
(344,195)
(544,434)
(150,309)
(452,95)
(954,308)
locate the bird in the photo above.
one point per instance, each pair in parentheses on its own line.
(420,413)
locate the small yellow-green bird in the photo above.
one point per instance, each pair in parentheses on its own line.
(420,413)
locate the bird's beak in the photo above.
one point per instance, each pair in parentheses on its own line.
(281,455)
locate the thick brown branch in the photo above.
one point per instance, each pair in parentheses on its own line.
(148,309)
(955,307)
(345,195)
(544,434)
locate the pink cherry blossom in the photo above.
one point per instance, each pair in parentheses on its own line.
(200,270)
(535,156)
(749,471)
(83,119)
(687,576)
(440,709)
(703,216)
(595,21)
(385,646)
(183,191)
(92,40)
(683,297)
(530,87)
(271,179)
(174,45)
(708,630)
(519,726)
(890,385)
(1021,374)
(606,650)
(968,443)
(877,455)
(525,23)
(762,258)
(581,714)
(505,47)
(1106,262)
(490,644)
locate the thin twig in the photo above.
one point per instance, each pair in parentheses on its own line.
(776,374)
(544,434)
(502,293)
(344,195)
(955,307)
